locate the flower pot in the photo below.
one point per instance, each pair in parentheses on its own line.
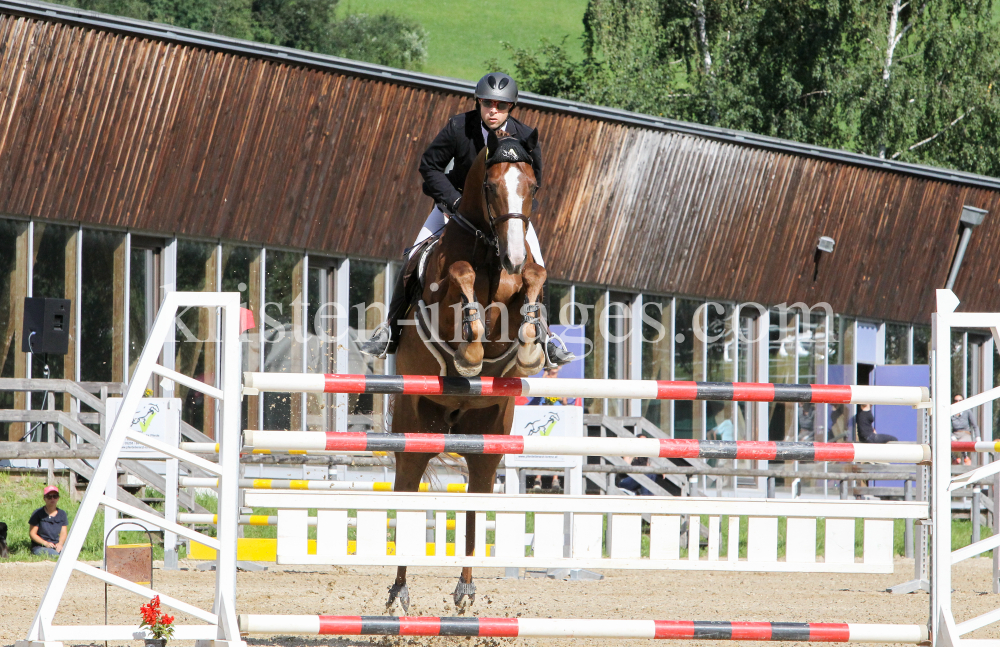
(155,642)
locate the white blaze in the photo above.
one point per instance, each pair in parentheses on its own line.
(515,228)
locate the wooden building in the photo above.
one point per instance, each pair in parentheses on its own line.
(138,158)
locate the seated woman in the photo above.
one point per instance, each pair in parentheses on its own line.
(47,525)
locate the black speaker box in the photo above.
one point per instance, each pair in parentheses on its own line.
(48,319)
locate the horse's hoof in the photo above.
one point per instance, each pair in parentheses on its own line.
(401,593)
(467,370)
(530,358)
(462,591)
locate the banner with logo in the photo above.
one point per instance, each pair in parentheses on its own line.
(542,420)
(157,418)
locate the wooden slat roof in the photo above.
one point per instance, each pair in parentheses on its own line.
(116,124)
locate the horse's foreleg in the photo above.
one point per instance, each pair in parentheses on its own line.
(531,354)
(409,470)
(468,320)
(482,474)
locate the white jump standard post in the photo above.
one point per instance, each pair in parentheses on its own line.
(220,628)
(945,630)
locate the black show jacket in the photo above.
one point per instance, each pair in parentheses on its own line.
(461,140)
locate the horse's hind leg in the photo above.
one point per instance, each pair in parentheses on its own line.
(409,470)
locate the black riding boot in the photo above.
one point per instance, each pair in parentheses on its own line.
(385,338)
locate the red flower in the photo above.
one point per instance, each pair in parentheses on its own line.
(158,623)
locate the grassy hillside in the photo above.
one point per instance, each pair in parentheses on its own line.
(462,34)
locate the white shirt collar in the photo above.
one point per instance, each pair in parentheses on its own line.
(486,131)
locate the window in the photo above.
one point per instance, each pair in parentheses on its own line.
(241,273)
(367,309)
(656,355)
(921,344)
(195,349)
(897,344)
(684,363)
(99,304)
(282,340)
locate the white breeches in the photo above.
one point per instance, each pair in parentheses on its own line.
(437,220)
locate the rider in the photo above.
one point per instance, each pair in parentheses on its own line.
(444,166)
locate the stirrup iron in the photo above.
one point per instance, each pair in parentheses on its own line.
(557,355)
(378,345)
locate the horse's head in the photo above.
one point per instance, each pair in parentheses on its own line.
(508,190)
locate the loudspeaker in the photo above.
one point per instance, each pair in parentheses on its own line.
(48,319)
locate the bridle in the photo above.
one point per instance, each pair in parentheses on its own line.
(491,239)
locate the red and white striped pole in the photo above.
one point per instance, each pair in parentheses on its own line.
(573,388)
(591,446)
(580,628)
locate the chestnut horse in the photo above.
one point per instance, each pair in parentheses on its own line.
(482,258)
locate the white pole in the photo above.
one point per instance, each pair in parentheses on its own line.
(941,615)
(229,462)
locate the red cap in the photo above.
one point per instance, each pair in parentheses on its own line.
(50,488)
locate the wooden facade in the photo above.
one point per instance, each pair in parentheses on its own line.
(129,125)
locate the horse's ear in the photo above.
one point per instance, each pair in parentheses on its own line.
(531,141)
(491,143)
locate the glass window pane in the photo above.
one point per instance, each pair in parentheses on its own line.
(282,347)
(684,339)
(588,306)
(782,359)
(840,371)
(366,311)
(721,352)
(957,363)
(897,343)
(322,346)
(98,305)
(556,300)
(618,329)
(721,343)
(922,344)
(656,356)
(195,344)
(48,279)
(236,263)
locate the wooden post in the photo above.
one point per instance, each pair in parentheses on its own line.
(70,284)
(254,347)
(119,342)
(50,404)
(18,291)
(210,324)
(373,317)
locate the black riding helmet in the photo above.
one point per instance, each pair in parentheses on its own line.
(497,86)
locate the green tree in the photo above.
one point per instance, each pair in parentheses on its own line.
(301,24)
(903,80)
(386,39)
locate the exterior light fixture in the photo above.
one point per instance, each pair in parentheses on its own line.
(971,218)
